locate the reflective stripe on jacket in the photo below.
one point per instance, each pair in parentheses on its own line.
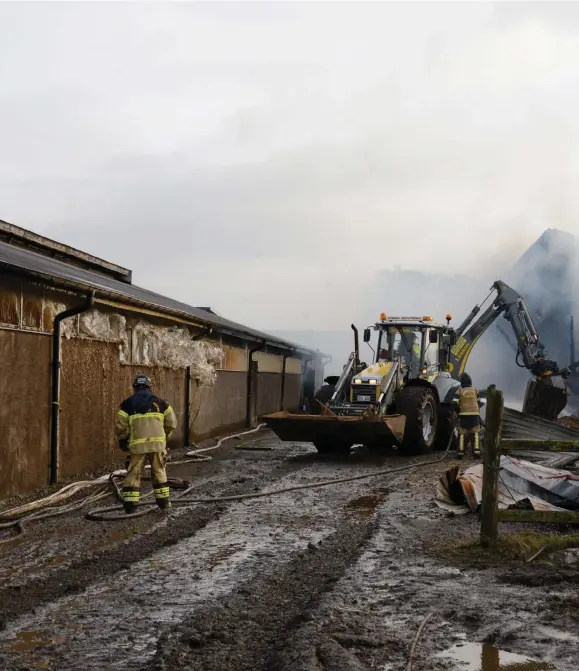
(468,401)
(147,421)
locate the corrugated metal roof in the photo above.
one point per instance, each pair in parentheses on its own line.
(517,424)
(20,236)
(62,274)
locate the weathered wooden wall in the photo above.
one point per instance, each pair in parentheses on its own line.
(24,411)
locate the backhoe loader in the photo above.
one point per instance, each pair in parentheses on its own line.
(405,398)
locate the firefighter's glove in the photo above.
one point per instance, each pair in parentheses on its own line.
(124,444)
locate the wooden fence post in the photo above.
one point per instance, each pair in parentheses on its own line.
(491,466)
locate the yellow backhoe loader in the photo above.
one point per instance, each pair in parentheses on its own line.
(405,398)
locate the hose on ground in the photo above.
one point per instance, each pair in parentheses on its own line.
(45,508)
(18,524)
(111,514)
(199,450)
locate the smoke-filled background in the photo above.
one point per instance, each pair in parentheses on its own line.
(299,166)
(546,275)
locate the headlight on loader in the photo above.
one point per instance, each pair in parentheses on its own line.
(372,381)
(357,381)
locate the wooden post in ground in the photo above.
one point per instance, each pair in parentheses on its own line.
(491,465)
(489,658)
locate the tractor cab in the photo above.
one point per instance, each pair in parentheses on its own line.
(417,343)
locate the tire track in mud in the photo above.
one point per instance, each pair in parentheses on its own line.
(242,631)
(370,617)
(19,599)
(118,620)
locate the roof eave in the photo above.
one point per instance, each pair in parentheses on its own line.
(162,310)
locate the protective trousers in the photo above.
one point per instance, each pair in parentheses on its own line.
(132,483)
(471,435)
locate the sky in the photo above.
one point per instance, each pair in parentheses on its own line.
(287,163)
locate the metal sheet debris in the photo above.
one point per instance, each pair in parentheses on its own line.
(517,424)
(522,484)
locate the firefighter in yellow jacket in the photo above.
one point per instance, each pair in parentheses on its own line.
(144,422)
(469,421)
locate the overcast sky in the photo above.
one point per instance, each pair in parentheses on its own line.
(270,160)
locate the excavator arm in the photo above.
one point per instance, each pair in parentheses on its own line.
(546,396)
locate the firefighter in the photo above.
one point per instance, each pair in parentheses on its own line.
(144,422)
(469,421)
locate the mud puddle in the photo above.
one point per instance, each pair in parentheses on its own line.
(366,506)
(483,657)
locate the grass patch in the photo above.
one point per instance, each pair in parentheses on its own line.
(518,546)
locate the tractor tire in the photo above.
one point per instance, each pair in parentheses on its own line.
(418,404)
(332,446)
(446,431)
(323,395)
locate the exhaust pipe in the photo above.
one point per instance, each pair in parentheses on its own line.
(571,339)
(356,347)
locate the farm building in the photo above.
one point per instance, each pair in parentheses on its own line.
(74,332)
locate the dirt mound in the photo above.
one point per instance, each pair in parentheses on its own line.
(569,422)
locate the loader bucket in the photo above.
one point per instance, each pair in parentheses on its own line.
(354,430)
(545,399)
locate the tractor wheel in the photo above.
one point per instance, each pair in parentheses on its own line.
(446,428)
(418,404)
(332,446)
(323,395)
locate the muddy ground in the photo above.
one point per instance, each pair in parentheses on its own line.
(331,579)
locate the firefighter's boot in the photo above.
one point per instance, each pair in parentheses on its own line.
(476,446)
(460,454)
(130,499)
(162,492)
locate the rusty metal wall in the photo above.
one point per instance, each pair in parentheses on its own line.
(24,411)
(93,384)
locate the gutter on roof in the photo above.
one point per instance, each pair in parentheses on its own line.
(147,311)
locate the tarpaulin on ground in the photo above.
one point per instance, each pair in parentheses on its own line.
(522,484)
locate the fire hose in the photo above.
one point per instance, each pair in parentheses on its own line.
(101,514)
(113,513)
(45,508)
(110,513)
